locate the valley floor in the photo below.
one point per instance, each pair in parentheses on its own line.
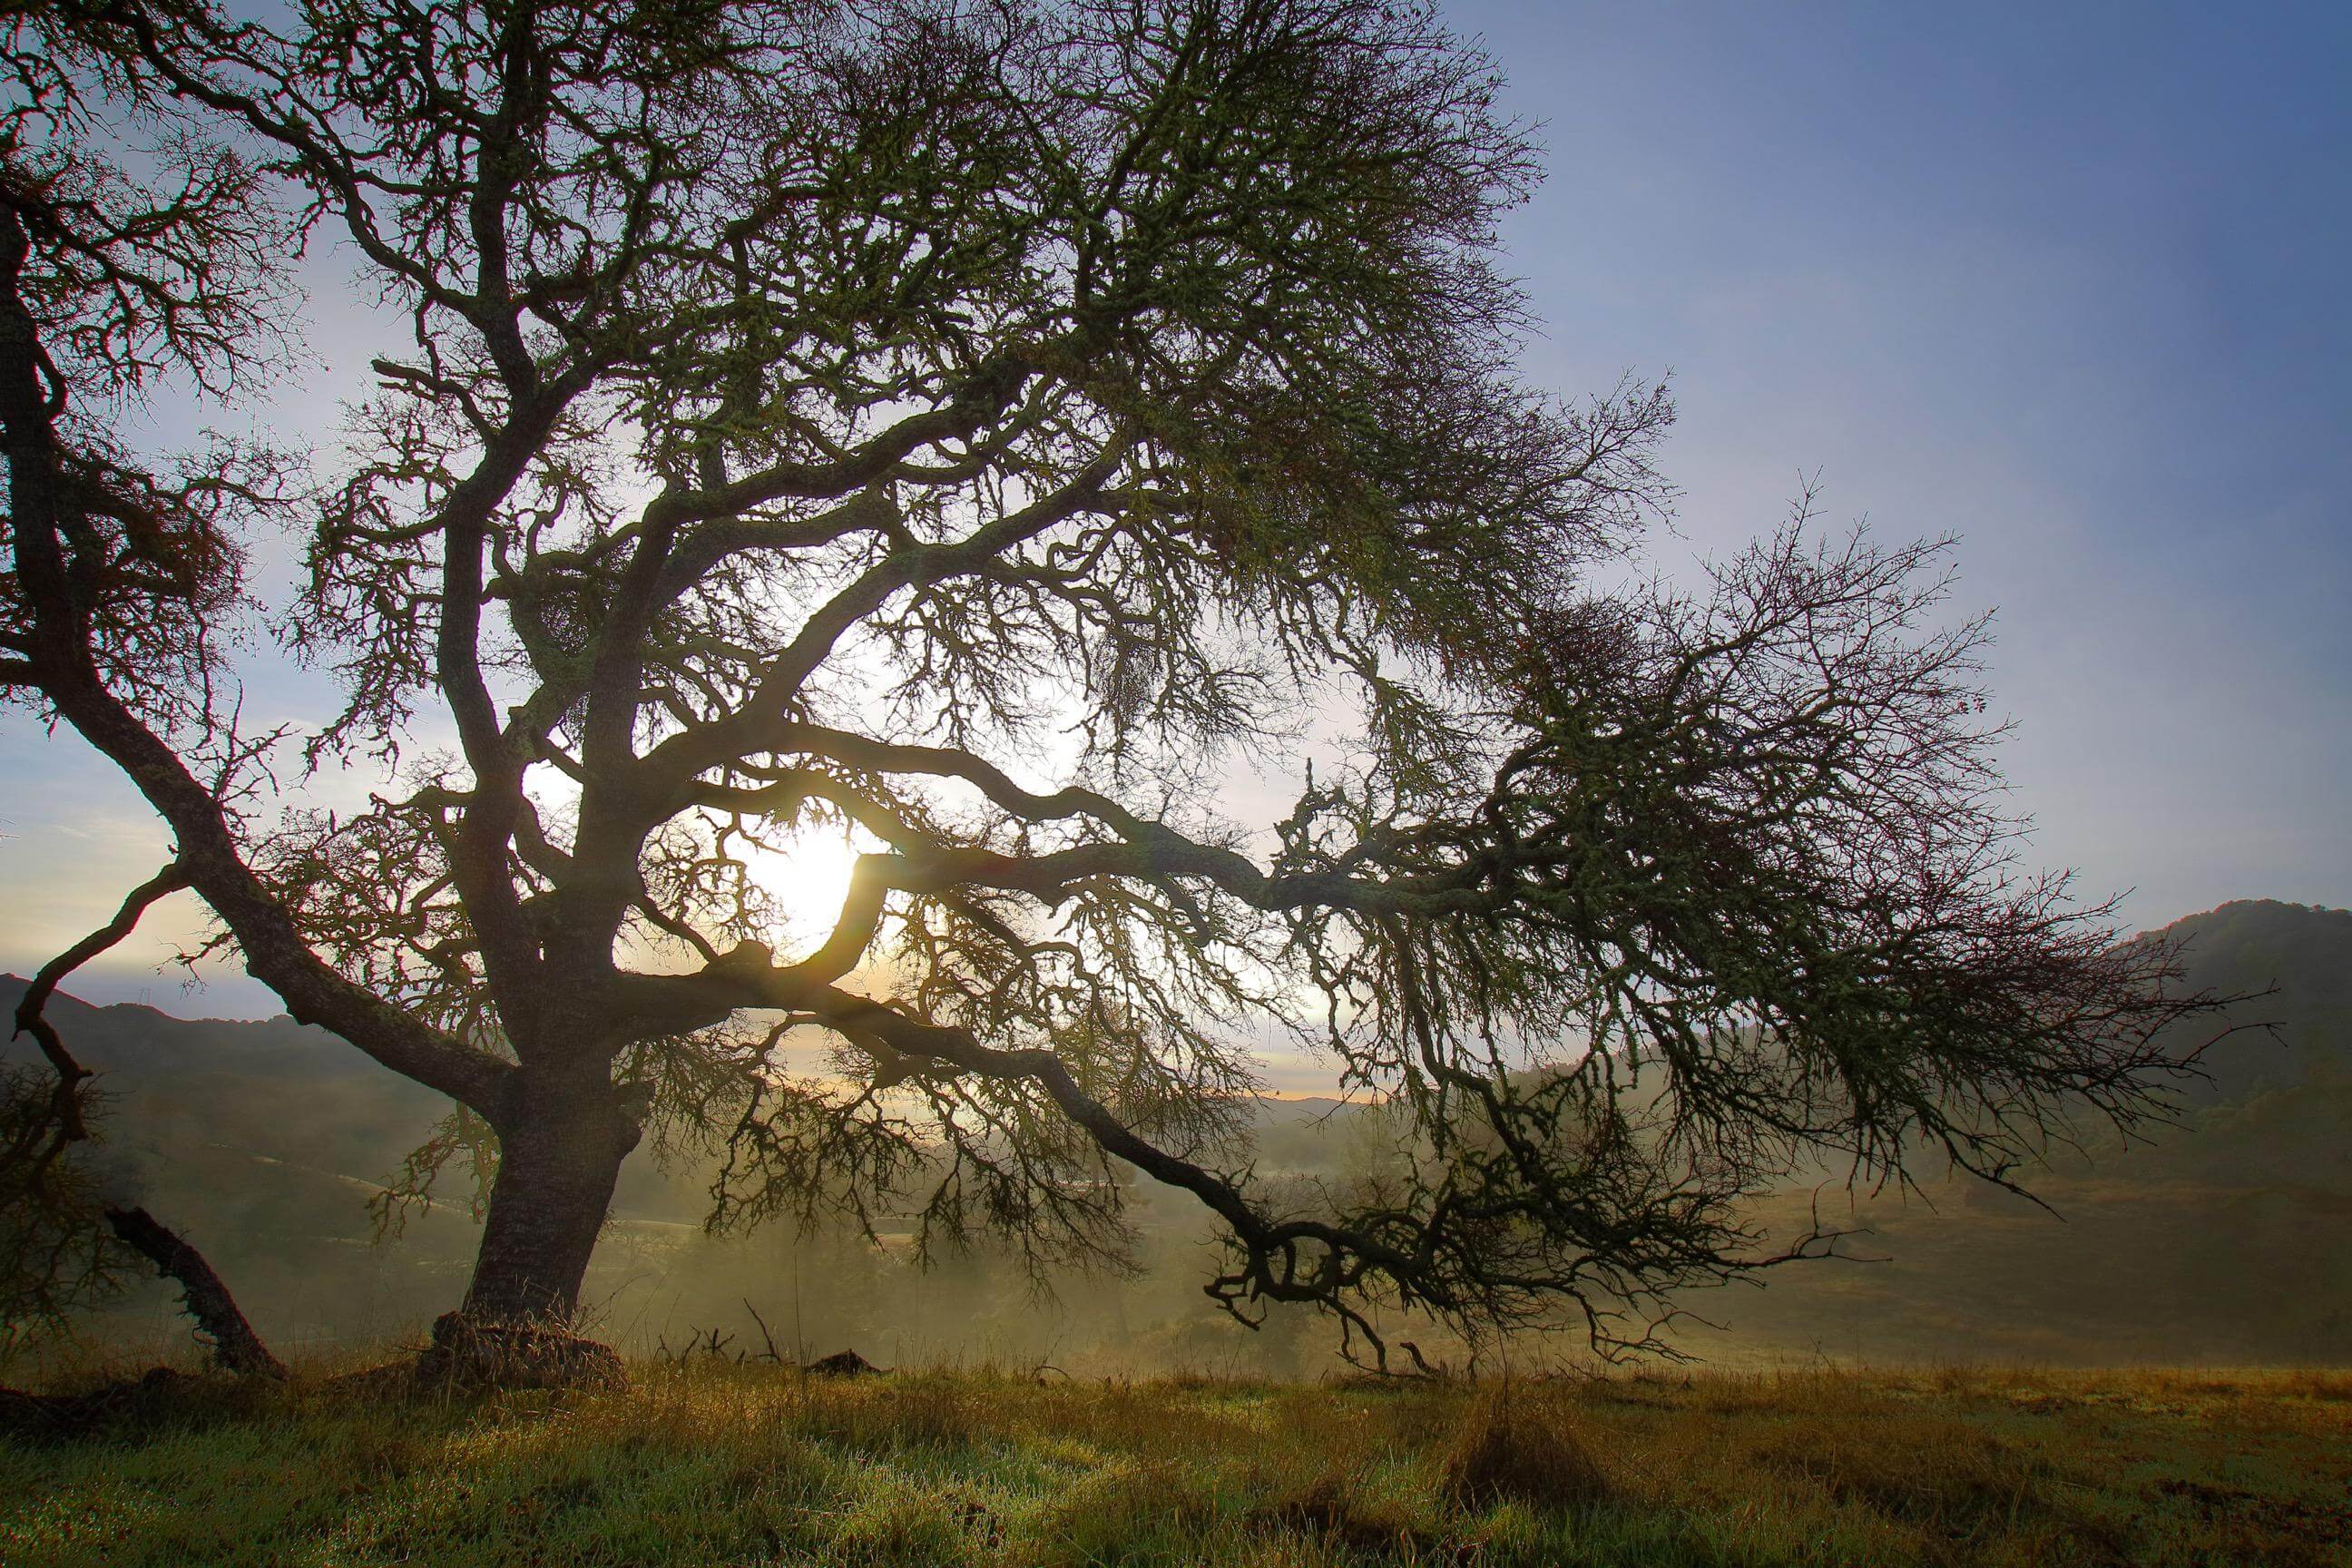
(717,1464)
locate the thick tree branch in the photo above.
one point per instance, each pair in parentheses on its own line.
(209,857)
(234,1343)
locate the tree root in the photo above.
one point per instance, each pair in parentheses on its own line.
(466,1352)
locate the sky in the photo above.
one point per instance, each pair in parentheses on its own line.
(2065,283)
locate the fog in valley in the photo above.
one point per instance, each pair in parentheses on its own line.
(2224,1240)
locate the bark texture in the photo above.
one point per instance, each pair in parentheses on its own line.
(557,1167)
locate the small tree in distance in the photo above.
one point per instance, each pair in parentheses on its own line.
(965,426)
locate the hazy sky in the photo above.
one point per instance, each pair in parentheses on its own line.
(2071,286)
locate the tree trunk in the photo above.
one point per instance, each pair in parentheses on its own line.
(558,1157)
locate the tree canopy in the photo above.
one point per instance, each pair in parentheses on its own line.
(969,426)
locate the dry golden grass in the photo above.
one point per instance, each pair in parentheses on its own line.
(723,1465)
(1523,1445)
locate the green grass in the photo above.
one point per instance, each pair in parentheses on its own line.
(719,1464)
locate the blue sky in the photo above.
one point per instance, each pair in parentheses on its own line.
(2069,282)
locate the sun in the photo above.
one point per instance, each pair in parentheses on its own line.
(807,876)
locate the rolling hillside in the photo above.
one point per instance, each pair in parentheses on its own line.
(2226,1239)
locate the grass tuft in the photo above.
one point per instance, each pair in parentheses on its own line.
(1520,1445)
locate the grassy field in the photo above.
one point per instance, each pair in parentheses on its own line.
(720,1464)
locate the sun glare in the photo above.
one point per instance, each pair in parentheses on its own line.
(807,878)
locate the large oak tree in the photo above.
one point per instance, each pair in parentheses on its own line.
(970,425)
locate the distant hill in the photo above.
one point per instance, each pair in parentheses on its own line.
(2294,962)
(2227,1239)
